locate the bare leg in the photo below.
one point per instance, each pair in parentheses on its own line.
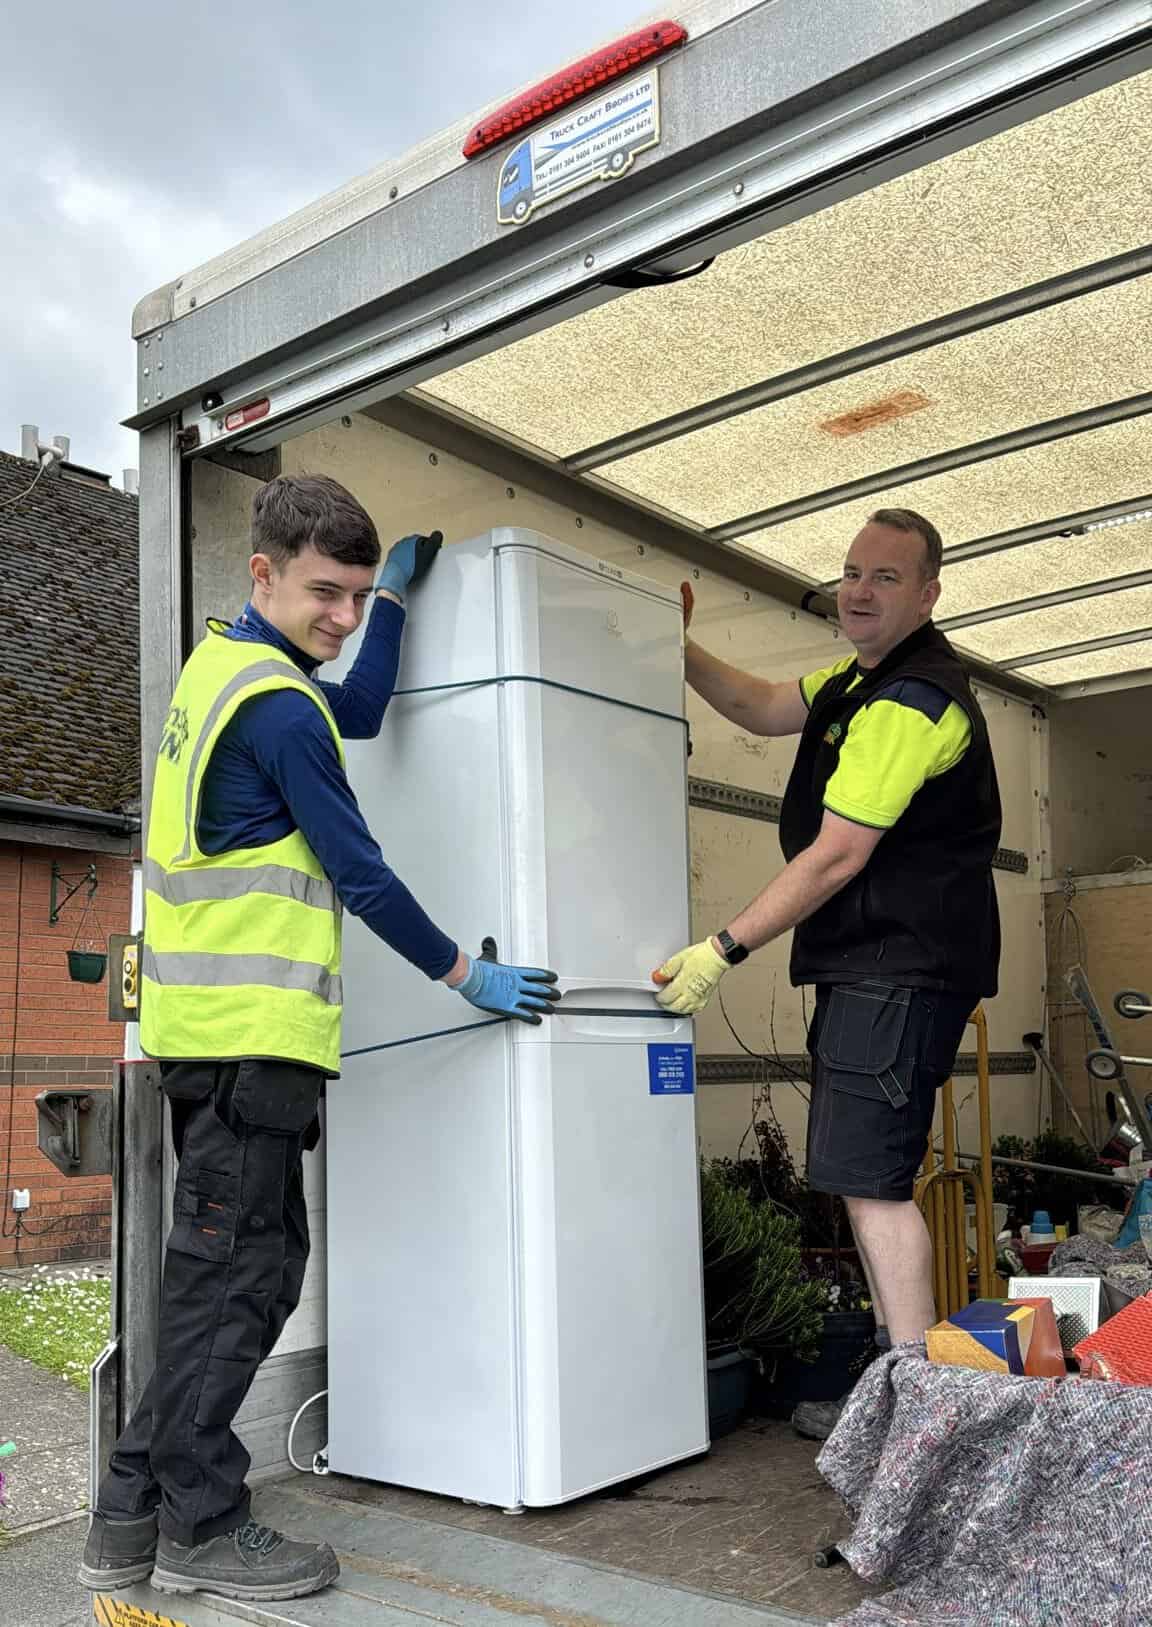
(873,1291)
(894,1241)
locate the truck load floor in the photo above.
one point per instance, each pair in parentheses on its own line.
(725,1541)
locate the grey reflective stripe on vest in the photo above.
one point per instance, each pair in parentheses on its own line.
(254,674)
(207,971)
(222,881)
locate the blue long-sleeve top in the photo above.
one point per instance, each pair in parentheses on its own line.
(275,769)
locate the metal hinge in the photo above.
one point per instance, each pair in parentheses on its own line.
(74,1130)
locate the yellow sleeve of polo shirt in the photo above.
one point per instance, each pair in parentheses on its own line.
(811,686)
(911,732)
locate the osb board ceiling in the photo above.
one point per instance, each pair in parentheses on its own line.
(1059,361)
(981,499)
(1058,625)
(1072,187)
(1097,664)
(1062,192)
(1019,573)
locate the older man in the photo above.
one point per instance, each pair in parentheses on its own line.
(889,825)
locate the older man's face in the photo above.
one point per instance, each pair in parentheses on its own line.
(883,595)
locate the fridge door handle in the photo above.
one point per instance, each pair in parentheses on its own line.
(617,1010)
(616,999)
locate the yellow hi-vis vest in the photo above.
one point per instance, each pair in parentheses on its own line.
(241,953)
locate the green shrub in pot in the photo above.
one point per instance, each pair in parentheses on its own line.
(755,1297)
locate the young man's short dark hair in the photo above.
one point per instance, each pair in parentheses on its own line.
(294,510)
(907,519)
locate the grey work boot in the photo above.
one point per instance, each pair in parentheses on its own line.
(251,1562)
(816,1420)
(118,1552)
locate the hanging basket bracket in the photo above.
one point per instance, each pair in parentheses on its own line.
(59,880)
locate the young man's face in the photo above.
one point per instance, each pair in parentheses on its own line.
(883,596)
(313,600)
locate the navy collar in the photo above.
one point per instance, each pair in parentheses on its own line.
(251,625)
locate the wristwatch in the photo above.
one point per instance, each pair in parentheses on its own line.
(732,951)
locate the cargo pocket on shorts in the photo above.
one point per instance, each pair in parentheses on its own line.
(861,1040)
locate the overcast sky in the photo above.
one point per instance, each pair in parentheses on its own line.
(139,140)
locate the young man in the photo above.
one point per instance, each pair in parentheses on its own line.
(255,840)
(889,825)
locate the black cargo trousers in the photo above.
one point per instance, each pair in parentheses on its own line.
(233,1271)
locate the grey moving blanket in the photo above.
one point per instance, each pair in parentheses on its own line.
(992,1501)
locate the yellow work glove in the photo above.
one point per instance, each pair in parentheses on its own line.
(688,979)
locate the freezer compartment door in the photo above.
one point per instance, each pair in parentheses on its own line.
(612,1330)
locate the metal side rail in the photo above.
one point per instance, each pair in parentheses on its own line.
(404,1572)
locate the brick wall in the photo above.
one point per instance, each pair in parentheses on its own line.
(53,1032)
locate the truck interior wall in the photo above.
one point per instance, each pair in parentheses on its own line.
(1102,780)
(408,486)
(1102,922)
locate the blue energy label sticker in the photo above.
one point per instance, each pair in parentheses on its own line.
(670,1070)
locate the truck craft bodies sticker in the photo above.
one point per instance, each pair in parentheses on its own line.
(592,141)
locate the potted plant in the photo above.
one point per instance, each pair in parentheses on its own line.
(758,1306)
(830,1362)
(846,1342)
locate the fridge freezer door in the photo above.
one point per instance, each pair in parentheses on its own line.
(611,1311)
(462,1355)
(595,791)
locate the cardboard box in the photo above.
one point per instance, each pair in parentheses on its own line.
(1001,1336)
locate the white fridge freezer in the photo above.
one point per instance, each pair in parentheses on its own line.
(514,1286)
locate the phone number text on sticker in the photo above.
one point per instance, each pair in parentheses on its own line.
(595,141)
(671,1070)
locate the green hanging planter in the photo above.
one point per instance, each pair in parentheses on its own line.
(85,966)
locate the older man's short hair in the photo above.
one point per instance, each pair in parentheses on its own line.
(906,519)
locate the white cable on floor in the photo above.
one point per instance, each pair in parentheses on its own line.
(319,1464)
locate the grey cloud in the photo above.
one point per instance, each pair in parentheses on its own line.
(140,141)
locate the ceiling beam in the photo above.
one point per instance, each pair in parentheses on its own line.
(960,457)
(1065,525)
(923,336)
(1044,601)
(1108,685)
(1064,652)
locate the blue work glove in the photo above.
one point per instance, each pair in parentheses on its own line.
(523,992)
(408,560)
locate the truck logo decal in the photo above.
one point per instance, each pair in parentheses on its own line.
(593,141)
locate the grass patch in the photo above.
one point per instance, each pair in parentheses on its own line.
(60,1323)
